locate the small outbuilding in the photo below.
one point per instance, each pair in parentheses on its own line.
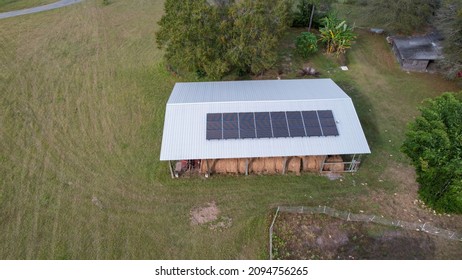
(418,52)
(272,126)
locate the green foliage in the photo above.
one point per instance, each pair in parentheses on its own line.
(213,39)
(434,144)
(106,2)
(336,35)
(190,32)
(449,23)
(404,16)
(253,37)
(307,44)
(302,15)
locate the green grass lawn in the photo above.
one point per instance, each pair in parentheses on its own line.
(82,106)
(11,5)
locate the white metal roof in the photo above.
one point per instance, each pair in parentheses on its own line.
(185,123)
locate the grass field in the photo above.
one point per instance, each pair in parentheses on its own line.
(11,5)
(82,105)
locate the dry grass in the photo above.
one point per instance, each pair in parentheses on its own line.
(82,105)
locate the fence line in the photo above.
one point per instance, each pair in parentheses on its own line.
(348,216)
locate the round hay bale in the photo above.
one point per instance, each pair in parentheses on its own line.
(258,165)
(294,165)
(220,166)
(334,164)
(231,165)
(312,163)
(279,164)
(270,165)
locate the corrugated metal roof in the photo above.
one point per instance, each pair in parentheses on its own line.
(426,47)
(184,134)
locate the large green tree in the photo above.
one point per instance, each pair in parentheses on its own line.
(434,144)
(404,16)
(189,32)
(254,35)
(217,36)
(449,23)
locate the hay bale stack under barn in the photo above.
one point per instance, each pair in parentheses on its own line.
(270,165)
(334,164)
(241,163)
(312,163)
(258,165)
(294,165)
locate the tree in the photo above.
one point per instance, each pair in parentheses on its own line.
(404,16)
(336,34)
(254,35)
(306,12)
(434,145)
(190,33)
(449,23)
(217,36)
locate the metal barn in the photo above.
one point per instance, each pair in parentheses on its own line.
(272,126)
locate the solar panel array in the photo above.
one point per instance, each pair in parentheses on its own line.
(270,125)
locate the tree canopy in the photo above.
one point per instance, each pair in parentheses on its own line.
(404,16)
(449,23)
(214,37)
(434,145)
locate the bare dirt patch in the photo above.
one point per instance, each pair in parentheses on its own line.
(317,236)
(209,216)
(205,214)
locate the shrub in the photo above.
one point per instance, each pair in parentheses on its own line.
(307,44)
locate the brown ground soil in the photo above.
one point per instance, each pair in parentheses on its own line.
(317,236)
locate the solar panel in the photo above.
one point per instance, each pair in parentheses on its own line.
(247,134)
(330,131)
(325,114)
(280,132)
(264,133)
(247,125)
(313,131)
(214,134)
(246,121)
(231,134)
(214,117)
(328,125)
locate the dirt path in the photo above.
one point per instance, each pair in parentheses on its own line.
(58,4)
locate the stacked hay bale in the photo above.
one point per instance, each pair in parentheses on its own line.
(294,165)
(312,163)
(258,165)
(334,164)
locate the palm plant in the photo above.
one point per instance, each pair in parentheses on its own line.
(336,34)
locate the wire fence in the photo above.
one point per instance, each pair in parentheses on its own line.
(348,216)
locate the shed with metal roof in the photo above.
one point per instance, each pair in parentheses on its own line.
(417,52)
(262,126)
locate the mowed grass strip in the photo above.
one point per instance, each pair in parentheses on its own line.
(82,107)
(12,5)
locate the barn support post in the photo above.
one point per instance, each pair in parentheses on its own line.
(171,169)
(284,165)
(322,165)
(246,167)
(208,168)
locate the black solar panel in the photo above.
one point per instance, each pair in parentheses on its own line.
(271,124)
(214,134)
(280,132)
(330,131)
(264,133)
(313,131)
(214,117)
(247,133)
